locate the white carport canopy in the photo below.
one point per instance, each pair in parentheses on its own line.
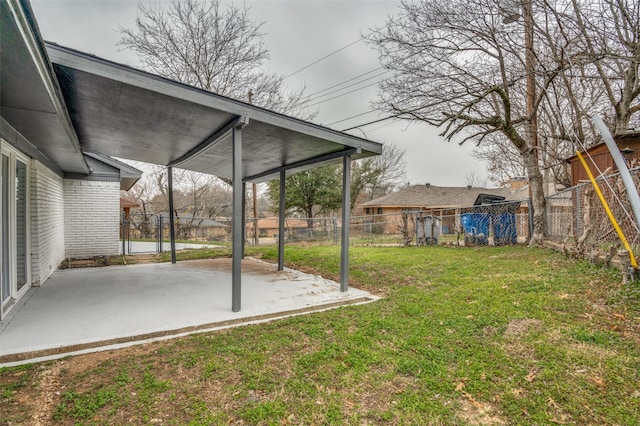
(123,112)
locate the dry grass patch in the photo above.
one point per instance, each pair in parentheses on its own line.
(474,413)
(519,327)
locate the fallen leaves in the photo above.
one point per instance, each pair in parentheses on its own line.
(531,376)
(518,393)
(598,381)
(472,400)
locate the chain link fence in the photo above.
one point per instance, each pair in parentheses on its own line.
(495,224)
(150,233)
(489,224)
(578,221)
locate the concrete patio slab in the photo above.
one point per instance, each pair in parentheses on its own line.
(134,247)
(84,310)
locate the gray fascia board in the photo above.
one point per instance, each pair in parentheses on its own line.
(124,74)
(212,140)
(125,169)
(320,159)
(99,177)
(11,135)
(28,27)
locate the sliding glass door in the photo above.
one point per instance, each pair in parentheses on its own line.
(14,228)
(5,273)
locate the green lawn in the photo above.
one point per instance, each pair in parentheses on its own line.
(509,335)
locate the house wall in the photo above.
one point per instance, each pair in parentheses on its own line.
(92,221)
(47,222)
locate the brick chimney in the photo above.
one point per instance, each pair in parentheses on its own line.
(517,182)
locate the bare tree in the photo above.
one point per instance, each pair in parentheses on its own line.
(378,175)
(473,179)
(216,48)
(610,31)
(459,67)
(502,159)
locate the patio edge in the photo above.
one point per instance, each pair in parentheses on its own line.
(78,349)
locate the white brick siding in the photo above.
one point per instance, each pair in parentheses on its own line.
(91,220)
(47,222)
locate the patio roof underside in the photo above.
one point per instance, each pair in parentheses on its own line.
(123,112)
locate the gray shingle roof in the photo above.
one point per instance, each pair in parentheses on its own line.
(431,196)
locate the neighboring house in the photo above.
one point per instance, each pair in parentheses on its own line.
(446,202)
(125,214)
(189,227)
(125,206)
(599,159)
(269,226)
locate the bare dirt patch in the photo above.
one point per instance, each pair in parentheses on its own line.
(522,326)
(478,413)
(48,395)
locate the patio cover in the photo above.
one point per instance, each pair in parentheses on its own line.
(123,112)
(118,111)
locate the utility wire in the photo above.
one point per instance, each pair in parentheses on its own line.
(353,116)
(372,122)
(346,81)
(324,57)
(348,86)
(379,127)
(346,93)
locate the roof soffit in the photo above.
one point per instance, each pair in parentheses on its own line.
(122,112)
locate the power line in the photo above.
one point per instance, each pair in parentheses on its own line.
(346,81)
(353,116)
(346,93)
(372,122)
(347,86)
(379,127)
(324,57)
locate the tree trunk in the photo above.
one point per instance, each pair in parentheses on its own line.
(536,188)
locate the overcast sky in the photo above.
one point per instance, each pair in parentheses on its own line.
(297,33)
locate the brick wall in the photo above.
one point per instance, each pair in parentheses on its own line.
(91,220)
(47,222)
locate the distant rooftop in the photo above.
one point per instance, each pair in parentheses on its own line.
(417,196)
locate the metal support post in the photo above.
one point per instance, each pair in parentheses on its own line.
(160,226)
(124,235)
(530,211)
(172,230)
(346,214)
(417,217)
(578,200)
(281,213)
(244,218)
(238,221)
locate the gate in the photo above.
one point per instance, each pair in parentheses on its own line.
(142,233)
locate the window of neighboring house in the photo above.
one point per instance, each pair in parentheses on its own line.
(367,210)
(379,210)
